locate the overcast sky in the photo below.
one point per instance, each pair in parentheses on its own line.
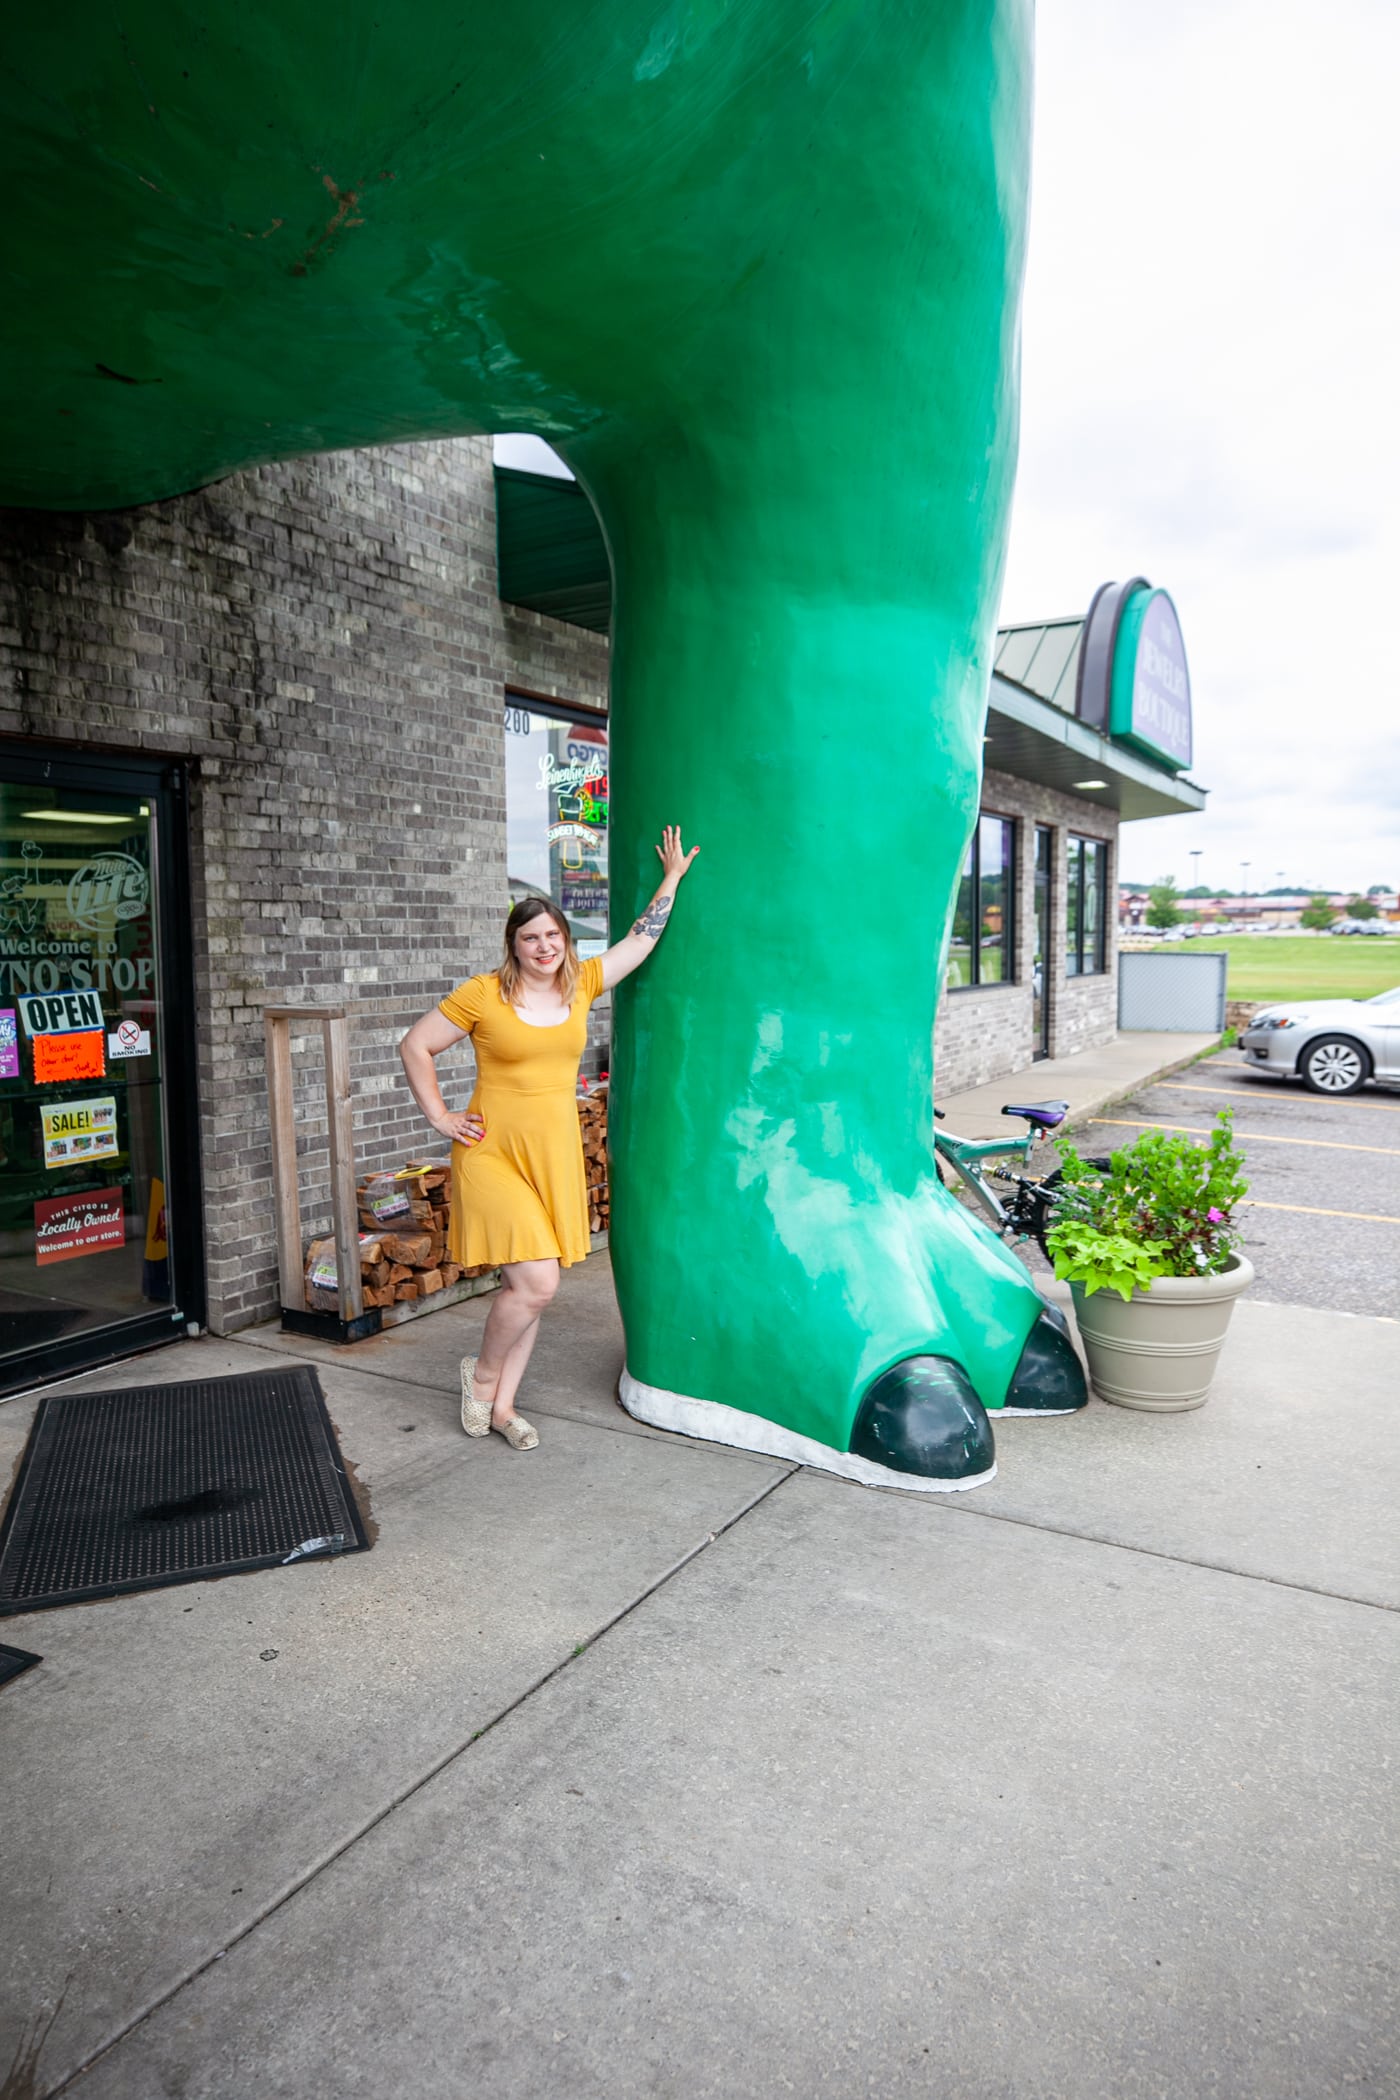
(1211,350)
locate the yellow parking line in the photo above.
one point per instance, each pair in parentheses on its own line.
(1365,1217)
(1181,1086)
(1252,1137)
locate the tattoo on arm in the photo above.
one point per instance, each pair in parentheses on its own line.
(652,923)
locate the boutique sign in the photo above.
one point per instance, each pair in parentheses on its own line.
(1150,702)
(1133,682)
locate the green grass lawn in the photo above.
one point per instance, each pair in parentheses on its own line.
(1332,966)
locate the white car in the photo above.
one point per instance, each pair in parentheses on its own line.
(1333,1045)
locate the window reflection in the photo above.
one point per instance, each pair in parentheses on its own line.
(981,948)
(1086,902)
(557,816)
(961,965)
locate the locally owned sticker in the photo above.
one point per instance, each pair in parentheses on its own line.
(67,1226)
(75,1056)
(56,1013)
(78,1131)
(129,1040)
(9,1043)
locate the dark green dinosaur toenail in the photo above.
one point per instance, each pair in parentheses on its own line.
(1049,1378)
(922,1416)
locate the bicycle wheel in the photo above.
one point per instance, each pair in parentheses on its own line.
(1045,1197)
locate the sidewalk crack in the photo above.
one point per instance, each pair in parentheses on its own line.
(339,1850)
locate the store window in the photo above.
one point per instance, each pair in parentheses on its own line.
(983,950)
(557,814)
(1086,896)
(90,1223)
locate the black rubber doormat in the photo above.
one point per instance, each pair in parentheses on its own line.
(157,1484)
(13,1660)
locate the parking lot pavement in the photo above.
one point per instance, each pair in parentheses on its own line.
(1323,1223)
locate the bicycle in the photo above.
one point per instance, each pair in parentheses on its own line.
(1029,1211)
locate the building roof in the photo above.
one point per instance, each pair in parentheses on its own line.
(1034,732)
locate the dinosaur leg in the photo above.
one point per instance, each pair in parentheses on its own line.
(806,579)
(791,1274)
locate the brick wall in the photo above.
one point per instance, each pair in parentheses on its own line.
(984,1032)
(323,640)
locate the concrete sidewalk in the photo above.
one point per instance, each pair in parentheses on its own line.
(639,1767)
(1088,1081)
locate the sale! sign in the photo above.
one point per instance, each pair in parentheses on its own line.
(68,1226)
(76,1131)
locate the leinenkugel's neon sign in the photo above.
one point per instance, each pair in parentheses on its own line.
(567,780)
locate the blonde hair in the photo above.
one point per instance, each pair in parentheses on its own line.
(510,973)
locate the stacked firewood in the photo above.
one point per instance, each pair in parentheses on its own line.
(593,1124)
(403,1242)
(409,1259)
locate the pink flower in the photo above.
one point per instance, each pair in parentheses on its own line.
(1216,1217)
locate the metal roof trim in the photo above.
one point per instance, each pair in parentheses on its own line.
(1167,793)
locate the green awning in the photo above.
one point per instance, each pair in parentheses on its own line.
(550,551)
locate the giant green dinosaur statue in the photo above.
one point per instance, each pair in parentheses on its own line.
(753,267)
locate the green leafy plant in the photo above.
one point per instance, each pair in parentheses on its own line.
(1164,1206)
(1104,1260)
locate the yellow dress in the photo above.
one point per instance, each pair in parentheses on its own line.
(520,1194)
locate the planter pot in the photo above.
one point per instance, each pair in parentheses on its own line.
(1158,1349)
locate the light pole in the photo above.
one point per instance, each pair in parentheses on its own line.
(1196,852)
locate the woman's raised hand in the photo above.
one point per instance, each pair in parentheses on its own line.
(463,1129)
(674,858)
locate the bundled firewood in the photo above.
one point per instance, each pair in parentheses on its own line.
(593,1126)
(404,1219)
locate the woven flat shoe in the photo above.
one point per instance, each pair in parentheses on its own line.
(517,1433)
(476,1414)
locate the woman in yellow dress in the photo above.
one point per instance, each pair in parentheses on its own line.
(519,1199)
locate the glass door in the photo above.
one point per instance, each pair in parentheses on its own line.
(91,1203)
(1040,988)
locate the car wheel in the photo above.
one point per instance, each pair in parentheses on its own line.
(1334,1065)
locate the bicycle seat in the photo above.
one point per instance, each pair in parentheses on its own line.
(1044,1114)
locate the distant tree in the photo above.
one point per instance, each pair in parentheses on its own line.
(1161,904)
(1378,889)
(1361,908)
(1202,890)
(1317,914)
